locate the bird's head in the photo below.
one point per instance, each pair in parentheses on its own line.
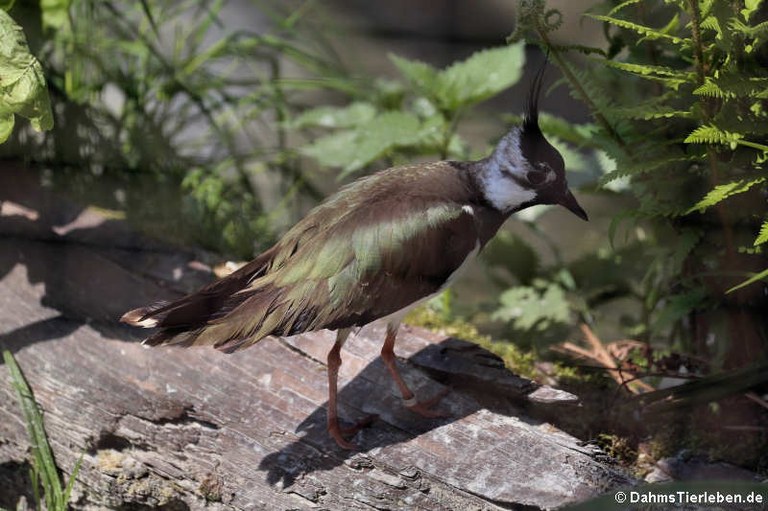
(524,169)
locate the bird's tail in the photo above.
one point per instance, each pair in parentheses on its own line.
(182,322)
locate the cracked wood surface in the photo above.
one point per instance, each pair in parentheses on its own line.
(191,429)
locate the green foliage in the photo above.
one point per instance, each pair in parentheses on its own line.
(22,88)
(44,473)
(166,90)
(398,125)
(482,75)
(678,101)
(539,307)
(722,192)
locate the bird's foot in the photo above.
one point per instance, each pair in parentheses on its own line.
(338,433)
(424,408)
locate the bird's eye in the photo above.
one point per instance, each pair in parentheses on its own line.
(536,177)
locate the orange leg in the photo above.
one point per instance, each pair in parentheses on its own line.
(423,408)
(334,362)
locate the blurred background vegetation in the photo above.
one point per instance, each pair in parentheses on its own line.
(220,123)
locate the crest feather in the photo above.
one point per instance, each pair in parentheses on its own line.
(531,119)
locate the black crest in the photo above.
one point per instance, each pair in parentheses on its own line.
(537,151)
(531,119)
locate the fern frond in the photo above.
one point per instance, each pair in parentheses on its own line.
(580,48)
(714,135)
(722,192)
(711,23)
(733,85)
(648,32)
(668,76)
(642,167)
(762,236)
(649,113)
(753,32)
(622,5)
(710,89)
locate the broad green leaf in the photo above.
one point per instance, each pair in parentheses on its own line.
(481,76)
(722,192)
(22,89)
(382,133)
(535,307)
(334,117)
(6,126)
(420,74)
(355,148)
(334,150)
(762,237)
(7,5)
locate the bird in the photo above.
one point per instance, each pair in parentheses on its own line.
(374,250)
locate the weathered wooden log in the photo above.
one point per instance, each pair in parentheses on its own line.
(192,429)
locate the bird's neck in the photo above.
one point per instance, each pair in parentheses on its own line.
(494,176)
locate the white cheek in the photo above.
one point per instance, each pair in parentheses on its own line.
(505,194)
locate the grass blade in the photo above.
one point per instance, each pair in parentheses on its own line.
(44,466)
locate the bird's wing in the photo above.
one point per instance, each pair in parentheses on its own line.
(371,262)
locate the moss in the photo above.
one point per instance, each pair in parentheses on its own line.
(618,447)
(520,362)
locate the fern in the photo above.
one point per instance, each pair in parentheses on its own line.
(714,135)
(648,32)
(762,236)
(722,192)
(622,5)
(732,87)
(669,77)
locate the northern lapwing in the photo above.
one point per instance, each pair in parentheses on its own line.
(374,250)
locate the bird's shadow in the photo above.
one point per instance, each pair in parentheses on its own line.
(475,379)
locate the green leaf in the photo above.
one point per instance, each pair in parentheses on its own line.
(355,148)
(55,14)
(754,278)
(334,150)
(44,464)
(537,307)
(420,74)
(750,7)
(762,237)
(7,121)
(334,117)
(481,76)
(22,90)
(382,133)
(722,192)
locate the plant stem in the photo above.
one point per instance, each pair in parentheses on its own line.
(701,72)
(599,117)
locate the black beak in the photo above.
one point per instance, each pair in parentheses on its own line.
(568,201)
